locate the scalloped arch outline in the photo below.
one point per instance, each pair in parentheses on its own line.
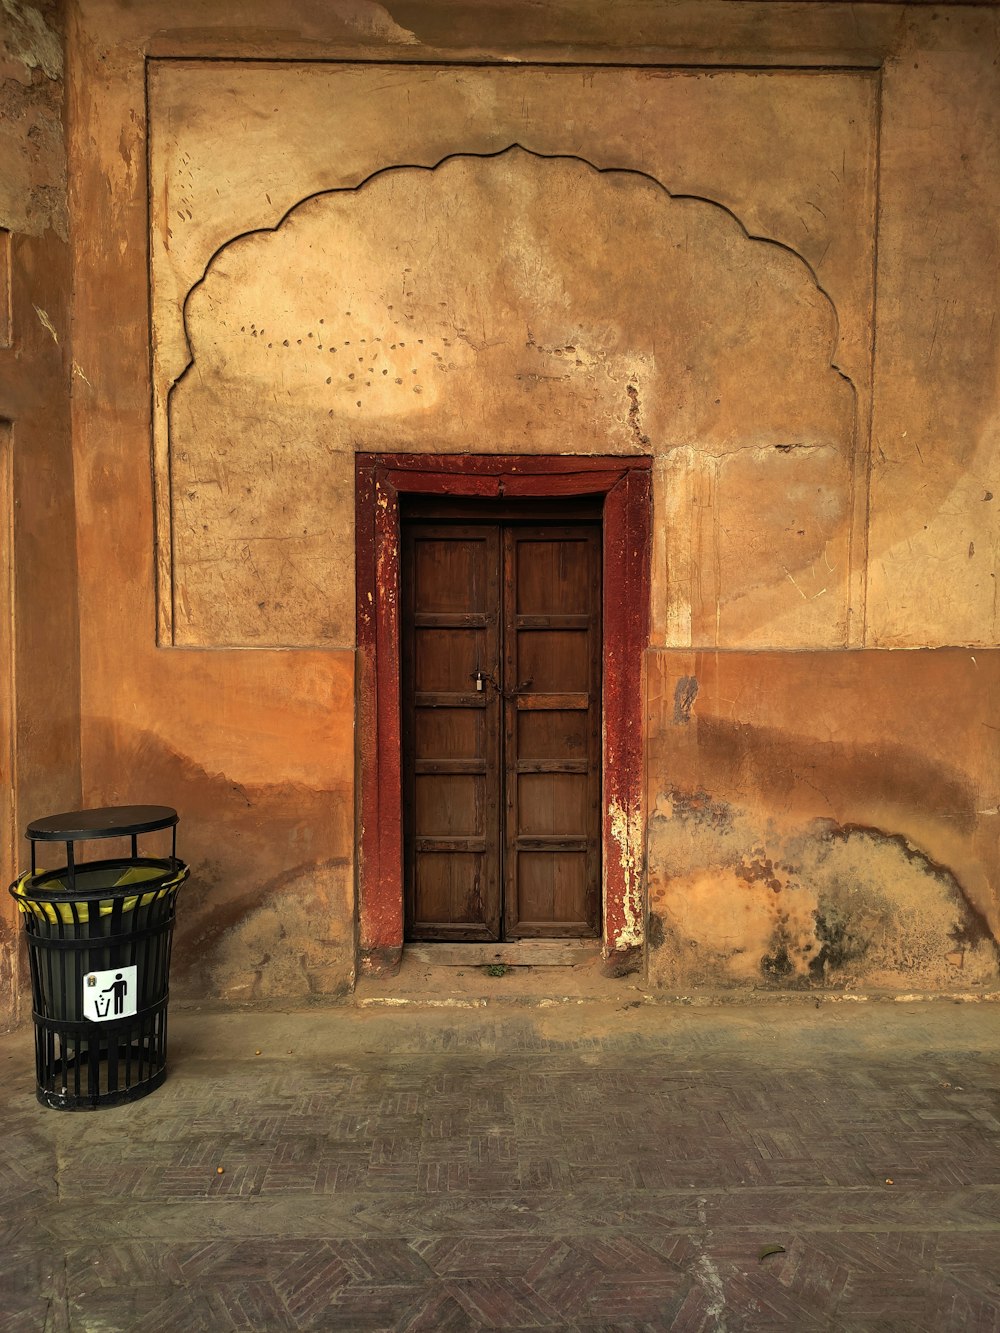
(679,197)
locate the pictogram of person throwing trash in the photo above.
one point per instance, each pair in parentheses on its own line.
(119,989)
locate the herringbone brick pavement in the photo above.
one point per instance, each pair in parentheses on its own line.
(589,1168)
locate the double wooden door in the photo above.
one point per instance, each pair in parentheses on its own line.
(501,652)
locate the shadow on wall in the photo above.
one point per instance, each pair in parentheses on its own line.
(268,910)
(786,771)
(824,905)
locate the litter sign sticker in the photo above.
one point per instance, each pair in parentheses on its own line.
(108,995)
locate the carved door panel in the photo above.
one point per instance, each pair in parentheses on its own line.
(501,651)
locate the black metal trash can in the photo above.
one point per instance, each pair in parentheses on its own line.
(99,937)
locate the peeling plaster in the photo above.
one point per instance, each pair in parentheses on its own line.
(626,831)
(734,901)
(31,41)
(32,147)
(374,20)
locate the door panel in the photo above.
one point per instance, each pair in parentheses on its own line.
(553,578)
(448,888)
(451,732)
(450,575)
(446,659)
(548,886)
(554,660)
(501,782)
(552,803)
(449,806)
(552,664)
(543,735)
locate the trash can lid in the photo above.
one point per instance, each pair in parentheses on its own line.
(115,821)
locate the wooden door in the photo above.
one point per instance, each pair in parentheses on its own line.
(451,731)
(501,652)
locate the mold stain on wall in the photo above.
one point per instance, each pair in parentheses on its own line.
(819,905)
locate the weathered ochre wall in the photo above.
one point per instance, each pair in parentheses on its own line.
(936,427)
(776,281)
(254,749)
(516,287)
(39,678)
(824,819)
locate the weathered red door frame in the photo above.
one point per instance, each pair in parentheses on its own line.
(625,484)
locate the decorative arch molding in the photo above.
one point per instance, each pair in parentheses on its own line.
(627,388)
(624,483)
(679,196)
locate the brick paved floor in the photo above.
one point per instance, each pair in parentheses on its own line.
(577,1166)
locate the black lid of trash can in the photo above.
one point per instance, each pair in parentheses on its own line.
(115,821)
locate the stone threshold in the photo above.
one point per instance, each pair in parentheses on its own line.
(517,953)
(525,972)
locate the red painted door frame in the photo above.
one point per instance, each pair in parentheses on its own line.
(625,484)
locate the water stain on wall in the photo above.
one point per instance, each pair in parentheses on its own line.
(737,902)
(267,910)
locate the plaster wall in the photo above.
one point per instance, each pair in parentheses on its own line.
(774,272)
(39,649)
(792,847)
(579,291)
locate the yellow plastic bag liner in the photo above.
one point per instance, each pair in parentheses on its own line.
(89,881)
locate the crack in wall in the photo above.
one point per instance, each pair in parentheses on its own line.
(634,414)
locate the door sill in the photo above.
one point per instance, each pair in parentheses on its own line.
(517,953)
